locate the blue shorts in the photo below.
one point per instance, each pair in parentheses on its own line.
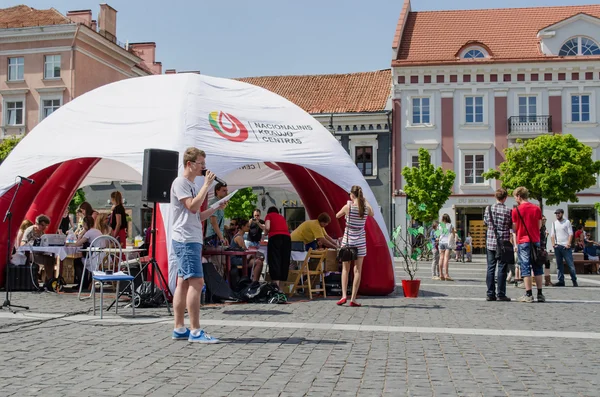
(312,245)
(524,254)
(189,259)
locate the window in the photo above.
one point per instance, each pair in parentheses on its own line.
(420,109)
(14,113)
(579,46)
(473,109)
(474,168)
(52,66)
(527,109)
(414,161)
(16,69)
(474,53)
(580,108)
(364,159)
(49,106)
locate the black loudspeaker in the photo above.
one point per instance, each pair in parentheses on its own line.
(23,278)
(160,169)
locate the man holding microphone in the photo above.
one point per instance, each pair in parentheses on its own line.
(187,244)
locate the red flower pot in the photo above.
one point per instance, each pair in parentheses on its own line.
(411,288)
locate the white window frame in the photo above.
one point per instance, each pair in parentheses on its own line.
(591,105)
(486,165)
(463,110)
(412,153)
(364,140)
(537,104)
(579,48)
(421,123)
(409,108)
(483,108)
(18,65)
(477,48)
(10,99)
(53,63)
(54,97)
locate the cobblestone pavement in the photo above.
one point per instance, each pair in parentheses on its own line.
(447,342)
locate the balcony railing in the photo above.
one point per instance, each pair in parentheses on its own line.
(529,125)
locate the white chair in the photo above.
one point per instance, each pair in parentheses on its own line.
(105,253)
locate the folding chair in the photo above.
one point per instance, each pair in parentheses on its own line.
(312,267)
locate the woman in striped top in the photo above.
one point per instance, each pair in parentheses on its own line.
(356,211)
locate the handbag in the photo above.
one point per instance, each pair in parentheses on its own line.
(539,256)
(347,253)
(505,252)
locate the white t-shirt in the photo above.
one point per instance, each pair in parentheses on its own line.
(561,230)
(187,227)
(92,234)
(445,236)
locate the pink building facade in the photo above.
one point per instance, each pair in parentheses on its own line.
(47,59)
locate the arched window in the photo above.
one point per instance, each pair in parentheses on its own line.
(579,46)
(473,53)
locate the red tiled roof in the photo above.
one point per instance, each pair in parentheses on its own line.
(331,93)
(24,16)
(435,37)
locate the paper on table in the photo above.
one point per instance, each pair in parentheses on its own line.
(226,198)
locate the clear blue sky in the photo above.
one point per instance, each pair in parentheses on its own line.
(239,38)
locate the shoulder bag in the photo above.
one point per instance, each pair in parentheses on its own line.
(347,253)
(539,256)
(505,252)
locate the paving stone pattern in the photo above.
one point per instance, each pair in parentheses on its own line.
(136,357)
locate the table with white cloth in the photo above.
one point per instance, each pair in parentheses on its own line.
(61,253)
(296,255)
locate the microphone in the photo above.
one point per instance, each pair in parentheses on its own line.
(27,179)
(216,178)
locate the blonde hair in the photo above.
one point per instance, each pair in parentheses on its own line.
(192,154)
(521,192)
(101,223)
(117,197)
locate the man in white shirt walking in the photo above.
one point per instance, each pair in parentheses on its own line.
(561,236)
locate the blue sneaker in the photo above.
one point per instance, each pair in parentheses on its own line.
(181,335)
(202,338)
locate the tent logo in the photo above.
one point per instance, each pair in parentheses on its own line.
(232,129)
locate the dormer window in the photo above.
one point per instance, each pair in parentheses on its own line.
(473,52)
(579,46)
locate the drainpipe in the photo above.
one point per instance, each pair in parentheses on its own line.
(391,170)
(72,63)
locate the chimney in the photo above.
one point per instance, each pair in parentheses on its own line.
(170,71)
(147,51)
(94,25)
(107,21)
(83,17)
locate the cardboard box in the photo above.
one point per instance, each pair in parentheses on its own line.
(331,262)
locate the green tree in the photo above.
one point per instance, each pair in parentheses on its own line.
(6,146)
(551,167)
(427,188)
(241,205)
(76,201)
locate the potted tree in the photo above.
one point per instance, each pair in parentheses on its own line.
(409,246)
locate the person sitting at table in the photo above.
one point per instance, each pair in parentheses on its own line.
(312,232)
(231,230)
(85,209)
(34,233)
(238,244)
(101,223)
(24,225)
(89,235)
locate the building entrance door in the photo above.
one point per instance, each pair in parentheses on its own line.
(470,220)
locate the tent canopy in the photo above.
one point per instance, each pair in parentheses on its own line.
(102,136)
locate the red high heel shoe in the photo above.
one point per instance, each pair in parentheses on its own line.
(341,301)
(355,304)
